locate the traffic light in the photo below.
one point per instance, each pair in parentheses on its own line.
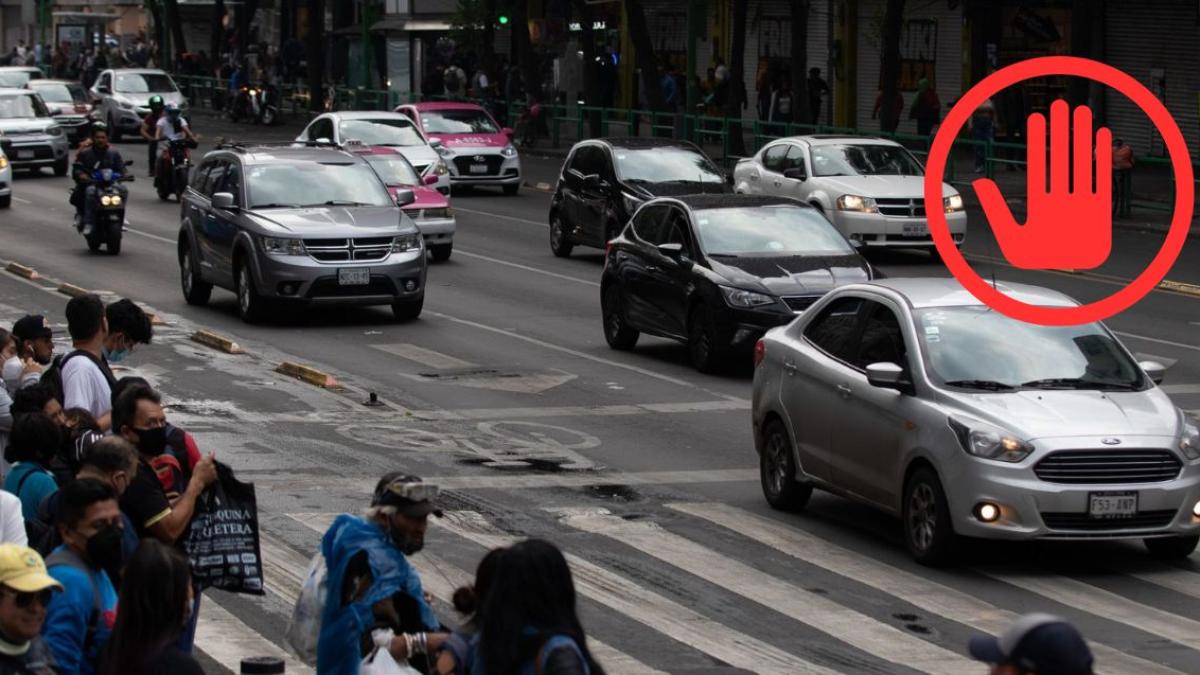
(503,19)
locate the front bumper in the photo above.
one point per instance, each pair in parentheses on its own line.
(129,120)
(436,231)
(399,276)
(496,169)
(76,128)
(5,182)
(27,152)
(879,230)
(740,328)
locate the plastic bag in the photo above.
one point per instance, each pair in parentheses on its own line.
(304,630)
(223,544)
(381,662)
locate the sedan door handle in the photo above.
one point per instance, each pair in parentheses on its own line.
(777,183)
(790,367)
(844,389)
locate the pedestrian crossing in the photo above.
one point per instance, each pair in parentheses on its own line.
(825,601)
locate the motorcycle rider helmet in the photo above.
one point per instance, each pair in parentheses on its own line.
(156,103)
(172,109)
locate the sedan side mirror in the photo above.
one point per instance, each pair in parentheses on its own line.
(103,90)
(225,201)
(796,174)
(435,143)
(593,180)
(1154,370)
(405,197)
(430,180)
(675,252)
(886,375)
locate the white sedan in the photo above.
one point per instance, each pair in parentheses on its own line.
(382,129)
(871,189)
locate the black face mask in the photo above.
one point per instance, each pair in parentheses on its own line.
(104,550)
(152,442)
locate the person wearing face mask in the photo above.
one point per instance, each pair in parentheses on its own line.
(25,591)
(33,340)
(102,336)
(80,619)
(180,454)
(370,582)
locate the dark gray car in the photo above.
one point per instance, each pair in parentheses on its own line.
(279,224)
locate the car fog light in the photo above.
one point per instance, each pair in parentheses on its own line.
(410,285)
(1196,510)
(987,512)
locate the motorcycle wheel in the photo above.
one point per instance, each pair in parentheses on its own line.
(93,242)
(114,240)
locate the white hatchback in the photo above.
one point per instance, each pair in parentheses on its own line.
(382,129)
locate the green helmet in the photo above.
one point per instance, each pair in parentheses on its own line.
(156,102)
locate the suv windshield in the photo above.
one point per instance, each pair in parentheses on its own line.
(381,132)
(465,121)
(21,106)
(394,169)
(978,348)
(298,184)
(60,93)
(768,230)
(665,165)
(864,160)
(144,83)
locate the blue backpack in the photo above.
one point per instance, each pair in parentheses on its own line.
(465,649)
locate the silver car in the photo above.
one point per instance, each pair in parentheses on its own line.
(124,95)
(911,396)
(19,76)
(30,137)
(386,130)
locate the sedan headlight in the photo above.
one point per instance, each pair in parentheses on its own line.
(54,131)
(125,105)
(953,203)
(509,150)
(1189,441)
(988,442)
(631,202)
(856,203)
(440,168)
(437,213)
(283,246)
(3,162)
(737,297)
(406,242)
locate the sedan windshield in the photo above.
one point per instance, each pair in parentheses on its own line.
(61,93)
(465,121)
(381,132)
(978,348)
(666,165)
(864,160)
(144,83)
(768,230)
(315,184)
(22,106)
(394,169)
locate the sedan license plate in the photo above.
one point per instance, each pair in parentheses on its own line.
(916,230)
(24,154)
(354,277)
(479,168)
(1112,504)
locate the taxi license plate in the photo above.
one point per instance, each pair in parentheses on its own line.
(916,230)
(24,154)
(354,277)
(479,168)
(1105,505)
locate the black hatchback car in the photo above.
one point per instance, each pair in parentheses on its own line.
(718,271)
(604,181)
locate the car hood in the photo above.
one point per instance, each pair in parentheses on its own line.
(69,108)
(675,189)
(427,197)
(472,140)
(1048,414)
(793,274)
(418,154)
(26,124)
(903,187)
(143,100)
(335,221)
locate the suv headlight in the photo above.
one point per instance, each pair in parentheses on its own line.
(988,442)
(856,203)
(406,242)
(953,203)
(54,131)
(737,297)
(3,162)
(509,150)
(283,246)
(1189,441)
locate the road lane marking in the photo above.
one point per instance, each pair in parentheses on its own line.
(503,217)
(723,405)
(917,590)
(353,485)
(527,268)
(812,609)
(148,235)
(425,357)
(1181,345)
(228,640)
(21,201)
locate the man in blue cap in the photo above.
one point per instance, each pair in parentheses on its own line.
(1041,644)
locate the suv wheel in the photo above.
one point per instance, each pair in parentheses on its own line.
(704,343)
(928,531)
(777,471)
(62,166)
(407,310)
(617,331)
(1172,548)
(560,243)
(196,291)
(251,305)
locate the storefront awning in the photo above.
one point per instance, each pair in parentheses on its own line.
(399,24)
(85,17)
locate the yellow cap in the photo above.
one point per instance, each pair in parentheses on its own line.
(22,569)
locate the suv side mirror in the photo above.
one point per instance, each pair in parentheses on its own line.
(224,200)
(796,173)
(103,89)
(1154,370)
(405,197)
(886,375)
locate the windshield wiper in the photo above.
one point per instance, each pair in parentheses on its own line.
(1078,383)
(723,255)
(341,202)
(275,206)
(987,385)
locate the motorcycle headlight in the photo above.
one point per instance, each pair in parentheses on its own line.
(406,242)
(440,168)
(856,203)
(737,297)
(114,200)
(283,246)
(988,442)
(953,203)
(106,200)
(631,202)
(509,150)
(54,131)
(1189,441)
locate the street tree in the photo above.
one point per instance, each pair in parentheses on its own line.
(893,23)
(646,60)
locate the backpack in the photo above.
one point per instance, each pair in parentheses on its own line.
(69,559)
(43,536)
(53,375)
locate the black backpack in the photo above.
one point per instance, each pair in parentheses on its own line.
(53,374)
(40,529)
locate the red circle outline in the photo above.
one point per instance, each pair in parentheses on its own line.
(1180,162)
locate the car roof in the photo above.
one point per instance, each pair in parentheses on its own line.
(390,151)
(839,139)
(446,105)
(272,154)
(36,83)
(139,70)
(924,292)
(370,114)
(702,202)
(639,143)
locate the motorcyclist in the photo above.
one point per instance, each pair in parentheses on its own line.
(98,155)
(148,132)
(172,127)
(240,78)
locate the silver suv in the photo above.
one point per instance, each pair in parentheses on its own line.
(911,396)
(124,97)
(302,225)
(29,135)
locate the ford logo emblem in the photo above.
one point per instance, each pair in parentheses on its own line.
(1111,441)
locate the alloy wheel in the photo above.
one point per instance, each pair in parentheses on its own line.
(922,516)
(777,477)
(244,289)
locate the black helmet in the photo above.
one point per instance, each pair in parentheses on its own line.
(156,103)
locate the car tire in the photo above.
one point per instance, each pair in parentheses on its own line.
(408,310)
(560,242)
(5,201)
(511,190)
(617,331)
(196,291)
(705,348)
(928,530)
(777,470)
(62,166)
(441,252)
(1171,548)
(251,306)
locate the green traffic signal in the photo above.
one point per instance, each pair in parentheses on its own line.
(503,20)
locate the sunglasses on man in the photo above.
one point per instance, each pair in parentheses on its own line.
(23,600)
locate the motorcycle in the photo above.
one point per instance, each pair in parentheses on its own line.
(174,168)
(259,103)
(109,210)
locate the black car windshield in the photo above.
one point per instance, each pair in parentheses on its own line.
(381,132)
(665,165)
(864,160)
(458,121)
(394,169)
(979,348)
(315,184)
(22,106)
(144,83)
(15,78)
(768,230)
(60,93)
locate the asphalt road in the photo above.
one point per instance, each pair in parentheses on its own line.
(505,393)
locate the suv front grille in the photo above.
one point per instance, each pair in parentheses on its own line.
(905,208)
(359,249)
(1106,467)
(799,303)
(1082,521)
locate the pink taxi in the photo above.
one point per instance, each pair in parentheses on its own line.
(475,147)
(431,211)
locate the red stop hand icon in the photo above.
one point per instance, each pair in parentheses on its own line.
(1068,225)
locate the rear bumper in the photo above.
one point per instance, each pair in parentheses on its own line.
(439,231)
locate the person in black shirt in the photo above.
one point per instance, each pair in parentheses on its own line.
(98,155)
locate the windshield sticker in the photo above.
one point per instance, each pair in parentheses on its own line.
(932,330)
(775,246)
(622,157)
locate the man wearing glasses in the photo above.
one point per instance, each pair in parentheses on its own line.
(25,591)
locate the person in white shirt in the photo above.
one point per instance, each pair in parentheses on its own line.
(101,336)
(12,523)
(34,351)
(172,126)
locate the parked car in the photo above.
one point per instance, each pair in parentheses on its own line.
(386,130)
(29,136)
(124,97)
(6,175)
(69,104)
(304,225)
(604,181)
(872,189)
(18,76)
(476,149)
(430,209)
(913,397)
(718,271)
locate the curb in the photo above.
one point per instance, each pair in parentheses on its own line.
(1180,287)
(72,290)
(218,342)
(22,271)
(307,374)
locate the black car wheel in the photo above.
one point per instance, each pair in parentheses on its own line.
(777,471)
(5,201)
(196,291)
(928,532)
(408,310)
(61,167)
(704,344)
(560,243)
(441,252)
(617,331)
(511,190)
(1171,548)
(251,306)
